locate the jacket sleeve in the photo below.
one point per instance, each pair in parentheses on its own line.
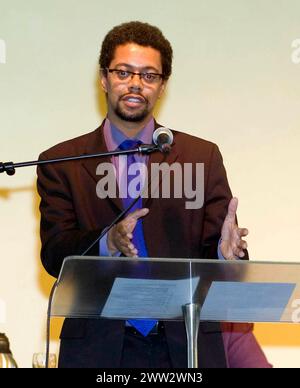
(61,236)
(216,200)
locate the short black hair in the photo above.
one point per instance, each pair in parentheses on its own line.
(143,34)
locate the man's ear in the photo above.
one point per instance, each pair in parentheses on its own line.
(103,77)
(162,88)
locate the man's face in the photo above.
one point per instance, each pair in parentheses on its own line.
(133,99)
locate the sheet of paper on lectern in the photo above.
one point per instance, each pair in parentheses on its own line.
(149,298)
(246,302)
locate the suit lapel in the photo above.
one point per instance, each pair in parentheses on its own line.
(96,144)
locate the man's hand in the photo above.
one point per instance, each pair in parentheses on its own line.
(232,244)
(120,236)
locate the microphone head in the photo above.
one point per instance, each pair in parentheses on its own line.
(163,138)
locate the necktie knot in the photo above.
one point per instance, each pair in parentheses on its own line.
(129,144)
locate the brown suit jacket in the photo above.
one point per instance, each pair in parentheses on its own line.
(72,216)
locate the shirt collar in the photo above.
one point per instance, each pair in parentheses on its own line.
(114,137)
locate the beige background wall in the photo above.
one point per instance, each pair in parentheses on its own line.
(235,82)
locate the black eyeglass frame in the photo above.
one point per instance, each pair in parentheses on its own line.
(132,74)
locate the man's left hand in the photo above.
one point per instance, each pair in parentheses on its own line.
(232,245)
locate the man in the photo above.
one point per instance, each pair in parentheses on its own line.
(135,63)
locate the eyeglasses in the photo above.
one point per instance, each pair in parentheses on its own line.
(125,75)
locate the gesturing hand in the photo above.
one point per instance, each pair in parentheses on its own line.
(232,245)
(120,236)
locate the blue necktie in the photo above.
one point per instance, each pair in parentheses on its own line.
(143,326)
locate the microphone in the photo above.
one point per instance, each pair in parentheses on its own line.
(163,138)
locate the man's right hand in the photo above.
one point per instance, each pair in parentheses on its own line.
(119,238)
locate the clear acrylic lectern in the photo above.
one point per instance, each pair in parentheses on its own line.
(178,289)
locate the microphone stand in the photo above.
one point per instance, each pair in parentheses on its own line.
(9,167)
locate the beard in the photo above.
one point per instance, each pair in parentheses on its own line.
(133,117)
